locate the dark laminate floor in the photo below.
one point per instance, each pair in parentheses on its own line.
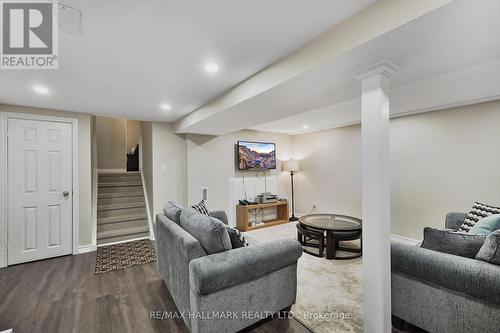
(64,295)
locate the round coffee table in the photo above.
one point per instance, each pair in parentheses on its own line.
(337,228)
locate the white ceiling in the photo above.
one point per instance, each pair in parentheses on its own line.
(448,57)
(135,55)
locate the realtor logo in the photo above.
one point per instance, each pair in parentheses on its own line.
(29,34)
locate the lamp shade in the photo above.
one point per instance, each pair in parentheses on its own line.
(291,165)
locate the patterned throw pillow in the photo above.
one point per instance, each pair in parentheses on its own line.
(201,208)
(479,211)
(237,239)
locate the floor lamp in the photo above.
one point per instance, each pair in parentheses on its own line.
(292,166)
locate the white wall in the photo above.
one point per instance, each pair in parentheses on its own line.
(169,166)
(146,157)
(211,162)
(330,175)
(84,167)
(440,162)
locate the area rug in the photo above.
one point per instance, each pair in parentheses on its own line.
(124,255)
(329,292)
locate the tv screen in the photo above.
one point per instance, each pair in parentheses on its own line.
(256,155)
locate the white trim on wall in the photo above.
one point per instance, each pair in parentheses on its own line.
(86,249)
(404,240)
(3,192)
(4,116)
(148,212)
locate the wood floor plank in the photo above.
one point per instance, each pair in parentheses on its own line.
(63,295)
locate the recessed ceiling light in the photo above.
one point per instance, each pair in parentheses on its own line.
(305,126)
(211,67)
(41,90)
(166,107)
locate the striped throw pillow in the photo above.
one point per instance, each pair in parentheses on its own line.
(478,212)
(201,208)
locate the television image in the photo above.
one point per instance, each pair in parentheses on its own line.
(256,155)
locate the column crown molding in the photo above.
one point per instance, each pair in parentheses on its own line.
(386,68)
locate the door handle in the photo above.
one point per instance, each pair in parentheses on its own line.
(65,194)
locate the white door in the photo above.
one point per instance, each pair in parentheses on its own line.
(40,190)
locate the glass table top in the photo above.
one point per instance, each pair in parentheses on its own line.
(331,222)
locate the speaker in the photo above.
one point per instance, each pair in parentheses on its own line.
(204,191)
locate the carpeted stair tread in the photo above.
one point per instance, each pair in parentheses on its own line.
(121,218)
(123,232)
(119,184)
(121,206)
(119,195)
(128,173)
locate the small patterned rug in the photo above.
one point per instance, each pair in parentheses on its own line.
(124,255)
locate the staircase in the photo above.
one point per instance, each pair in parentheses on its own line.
(121,208)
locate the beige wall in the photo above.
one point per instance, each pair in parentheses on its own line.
(132,133)
(115,137)
(111,143)
(84,160)
(211,163)
(146,156)
(440,162)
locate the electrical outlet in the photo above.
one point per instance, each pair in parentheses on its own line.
(314,205)
(204,191)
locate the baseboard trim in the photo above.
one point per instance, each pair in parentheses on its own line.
(125,241)
(404,240)
(86,249)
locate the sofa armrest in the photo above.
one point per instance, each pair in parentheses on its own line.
(220,215)
(230,268)
(469,276)
(454,220)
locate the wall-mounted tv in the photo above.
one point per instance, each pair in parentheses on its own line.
(256,155)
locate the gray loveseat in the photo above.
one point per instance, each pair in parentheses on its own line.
(440,292)
(239,285)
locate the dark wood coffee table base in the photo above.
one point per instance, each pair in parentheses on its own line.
(332,244)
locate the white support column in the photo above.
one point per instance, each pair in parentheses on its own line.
(376,196)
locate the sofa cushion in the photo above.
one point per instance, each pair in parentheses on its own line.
(173,211)
(209,231)
(201,208)
(486,226)
(490,251)
(479,211)
(237,239)
(452,242)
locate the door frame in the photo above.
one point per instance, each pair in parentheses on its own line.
(4,120)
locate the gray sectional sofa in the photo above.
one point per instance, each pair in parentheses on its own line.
(239,285)
(440,292)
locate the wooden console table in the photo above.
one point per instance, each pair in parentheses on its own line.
(242,213)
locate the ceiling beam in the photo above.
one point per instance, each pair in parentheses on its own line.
(380,18)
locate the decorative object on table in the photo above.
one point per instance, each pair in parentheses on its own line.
(486,226)
(479,211)
(201,208)
(292,166)
(338,228)
(124,255)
